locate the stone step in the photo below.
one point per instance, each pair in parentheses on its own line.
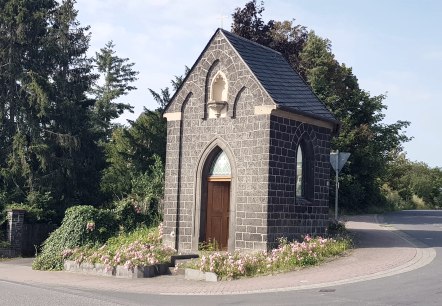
(181,258)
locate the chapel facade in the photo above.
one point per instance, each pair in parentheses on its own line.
(248,147)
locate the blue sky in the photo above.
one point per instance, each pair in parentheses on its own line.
(394,47)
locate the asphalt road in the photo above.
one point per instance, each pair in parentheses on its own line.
(418,287)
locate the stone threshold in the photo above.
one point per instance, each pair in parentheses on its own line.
(118,271)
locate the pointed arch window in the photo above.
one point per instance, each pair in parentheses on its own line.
(300,185)
(220,166)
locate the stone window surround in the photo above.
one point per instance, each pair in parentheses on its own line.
(299,167)
(308,153)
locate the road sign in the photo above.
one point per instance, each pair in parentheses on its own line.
(338,160)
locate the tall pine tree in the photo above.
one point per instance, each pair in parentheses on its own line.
(24,73)
(50,152)
(117,75)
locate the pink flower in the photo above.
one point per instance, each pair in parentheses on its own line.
(160,229)
(66,253)
(90,226)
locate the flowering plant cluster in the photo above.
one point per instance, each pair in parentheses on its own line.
(287,256)
(141,248)
(90,226)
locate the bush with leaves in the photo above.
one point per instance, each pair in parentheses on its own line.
(129,215)
(82,225)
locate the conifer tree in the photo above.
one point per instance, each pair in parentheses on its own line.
(49,152)
(117,75)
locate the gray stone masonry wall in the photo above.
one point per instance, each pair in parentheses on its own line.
(15,228)
(171,183)
(244,134)
(290,216)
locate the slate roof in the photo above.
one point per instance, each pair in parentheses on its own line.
(284,85)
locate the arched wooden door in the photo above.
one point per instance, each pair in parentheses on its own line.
(218,204)
(218,201)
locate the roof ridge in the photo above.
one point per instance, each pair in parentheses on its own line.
(249,41)
(280,84)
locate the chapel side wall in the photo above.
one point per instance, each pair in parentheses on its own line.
(171,183)
(245,134)
(289,216)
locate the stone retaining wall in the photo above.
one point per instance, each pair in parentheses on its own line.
(119,271)
(8,253)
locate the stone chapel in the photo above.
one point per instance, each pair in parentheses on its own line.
(248,147)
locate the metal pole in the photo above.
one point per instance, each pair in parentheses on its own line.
(337,184)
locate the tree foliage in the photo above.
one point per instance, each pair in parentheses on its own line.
(135,156)
(282,36)
(130,153)
(363,132)
(54,114)
(47,143)
(117,75)
(412,181)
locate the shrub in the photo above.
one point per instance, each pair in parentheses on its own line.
(396,200)
(142,234)
(336,228)
(209,246)
(129,215)
(82,225)
(4,244)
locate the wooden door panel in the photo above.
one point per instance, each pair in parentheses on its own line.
(216,226)
(217,199)
(218,204)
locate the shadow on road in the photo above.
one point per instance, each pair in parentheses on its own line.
(422,228)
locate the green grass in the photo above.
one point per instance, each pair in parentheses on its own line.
(143,234)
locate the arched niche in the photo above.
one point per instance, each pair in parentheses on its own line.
(217,105)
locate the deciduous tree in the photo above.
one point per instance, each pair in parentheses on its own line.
(363,132)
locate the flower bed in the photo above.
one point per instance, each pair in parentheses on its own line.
(134,252)
(288,256)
